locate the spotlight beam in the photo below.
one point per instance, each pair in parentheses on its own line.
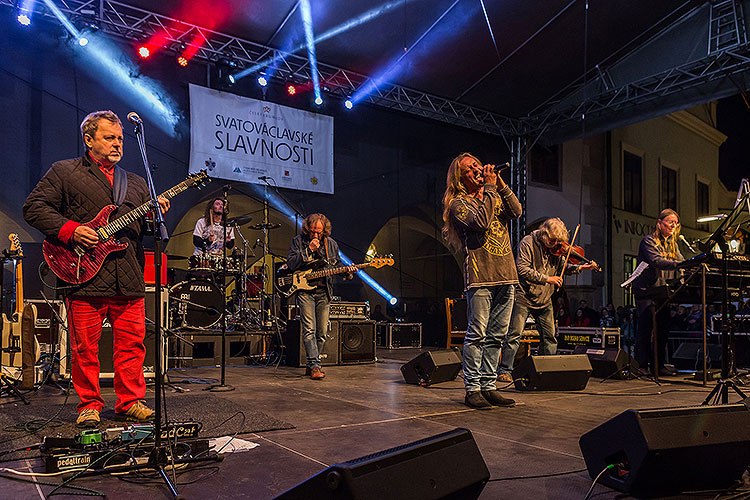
(310,40)
(63,19)
(489,26)
(283,23)
(352,23)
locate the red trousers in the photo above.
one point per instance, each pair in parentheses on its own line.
(128,318)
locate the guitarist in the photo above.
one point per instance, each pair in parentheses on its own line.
(74,191)
(314,248)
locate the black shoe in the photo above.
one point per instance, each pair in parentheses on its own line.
(496,399)
(475,400)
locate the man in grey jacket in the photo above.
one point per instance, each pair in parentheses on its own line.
(539,274)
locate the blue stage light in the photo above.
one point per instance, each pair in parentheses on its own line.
(24,19)
(261,80)
(310,41)
(348,104)
(25,10)
(83,41)
(318,100)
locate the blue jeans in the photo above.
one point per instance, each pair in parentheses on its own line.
(545,325)
(313,313)
(488,311)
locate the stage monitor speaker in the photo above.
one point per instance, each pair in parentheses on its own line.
(608,363)
(660,452)
(448,465)
(432,367)
(569,372)
(689,356)
(295,346)
(356,341)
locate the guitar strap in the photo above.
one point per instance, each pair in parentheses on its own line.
(119,185)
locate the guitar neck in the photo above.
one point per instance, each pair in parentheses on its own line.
(139,212)
(19,289)
(335,270)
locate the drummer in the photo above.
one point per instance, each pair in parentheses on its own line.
(208,235)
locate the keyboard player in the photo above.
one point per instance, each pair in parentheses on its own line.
(658,249)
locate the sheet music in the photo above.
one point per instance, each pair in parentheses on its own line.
(637,272)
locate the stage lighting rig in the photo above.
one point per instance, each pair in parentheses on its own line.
(261,81)
(144,52)
(291,89)
(348,103)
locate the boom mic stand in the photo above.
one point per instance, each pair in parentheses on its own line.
(222,386)
(721,389)
(159,456)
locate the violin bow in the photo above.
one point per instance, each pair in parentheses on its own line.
(570,247)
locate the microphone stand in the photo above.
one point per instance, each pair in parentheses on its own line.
(721,390)
(222,386)
(160,456)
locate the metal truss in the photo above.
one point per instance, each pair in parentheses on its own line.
(134,24)
(717,66)
(726,28)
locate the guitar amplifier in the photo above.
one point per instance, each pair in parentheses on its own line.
(568,337)
(350,310)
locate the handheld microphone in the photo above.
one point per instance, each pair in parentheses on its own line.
(134,118)
(682,238)
(263,178)
(501,167)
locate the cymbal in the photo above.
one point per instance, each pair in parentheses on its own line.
(176,257)
(269,225)
(239,220)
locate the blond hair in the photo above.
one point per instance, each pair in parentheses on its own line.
(553,229)
(453,189)
(669,244)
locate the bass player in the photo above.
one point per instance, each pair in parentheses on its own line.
(74,191)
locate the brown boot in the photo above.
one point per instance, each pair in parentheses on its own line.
(316,373)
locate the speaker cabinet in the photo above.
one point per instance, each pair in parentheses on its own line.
(448,465)
(432,368)
(295,347)
(553,373)
(659,452)
(356,341)
(608,363)
(689,356)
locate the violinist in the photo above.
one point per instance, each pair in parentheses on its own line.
(540,264)
(659,249)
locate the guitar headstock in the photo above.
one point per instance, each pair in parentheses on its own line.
(379,262)
(15,244)
(198,179)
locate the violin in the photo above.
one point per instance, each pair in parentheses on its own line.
(576,253)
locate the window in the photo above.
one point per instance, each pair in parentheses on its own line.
(544,165)
(631,168)
(702,206)
(629,262)
(668,188)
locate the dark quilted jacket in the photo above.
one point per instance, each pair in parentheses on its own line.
(77,190)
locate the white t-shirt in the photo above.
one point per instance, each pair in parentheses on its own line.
(202,230)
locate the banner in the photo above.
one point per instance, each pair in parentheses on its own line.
(242,139)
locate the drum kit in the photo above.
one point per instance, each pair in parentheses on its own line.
(196,303)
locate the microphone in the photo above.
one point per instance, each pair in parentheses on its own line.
(257,242)
(263,178)
(501,167)
(134,118)
(682,238)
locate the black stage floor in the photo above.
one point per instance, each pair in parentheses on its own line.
(361,409)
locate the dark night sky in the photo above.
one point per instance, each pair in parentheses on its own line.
(733,119)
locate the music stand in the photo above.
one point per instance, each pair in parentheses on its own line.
(721,389)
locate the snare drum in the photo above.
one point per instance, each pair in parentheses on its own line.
(195,303)
(204,264)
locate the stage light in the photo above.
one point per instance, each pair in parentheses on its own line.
(83,41)
(261,80)
(143,52)
(348,104)
(24,19)
(291,90)
(231,79)
(318,100)
(182,61)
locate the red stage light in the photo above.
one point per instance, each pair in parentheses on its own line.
(143,51)
(182,61)
(291,89)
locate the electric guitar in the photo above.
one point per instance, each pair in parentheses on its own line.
(11,339)
(75,264)
(300,280)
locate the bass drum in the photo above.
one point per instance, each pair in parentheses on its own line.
(195,304)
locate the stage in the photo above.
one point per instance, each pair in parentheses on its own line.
(362,409)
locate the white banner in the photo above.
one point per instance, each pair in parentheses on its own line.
(242,139)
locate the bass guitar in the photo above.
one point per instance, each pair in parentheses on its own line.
(300,280)
(75,264)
